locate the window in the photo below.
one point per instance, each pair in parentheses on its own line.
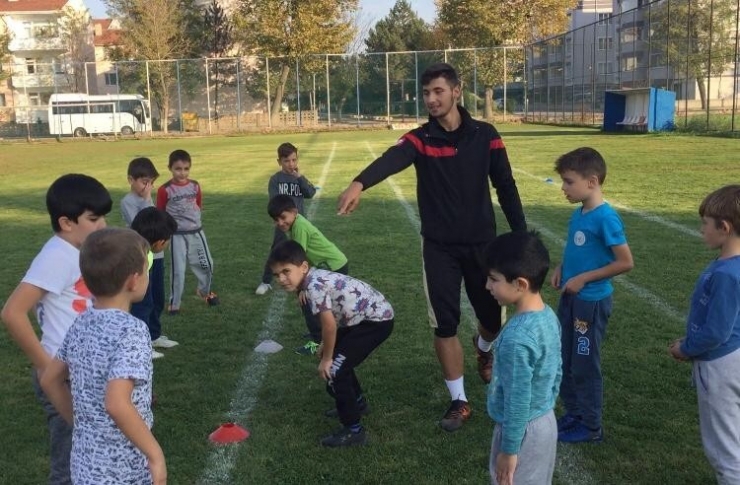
(606,43)
(629,63)
(31,65)
(111,79)
(656,59)
(604,18)
(34,99)
(631,34)
(101,108)
(603,68)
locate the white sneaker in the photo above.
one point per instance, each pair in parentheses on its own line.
(164,342)
(156,355)
(263,288)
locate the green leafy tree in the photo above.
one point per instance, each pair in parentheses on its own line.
(4,53)
(156,31)
(289,31)
(485,24)
(693,32)
(402,30)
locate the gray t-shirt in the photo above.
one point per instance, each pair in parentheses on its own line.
(298,188)
(132,204)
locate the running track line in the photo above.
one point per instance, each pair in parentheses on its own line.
(568,462)
(222,459)
(644,215)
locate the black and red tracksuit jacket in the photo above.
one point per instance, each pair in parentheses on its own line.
(452,180)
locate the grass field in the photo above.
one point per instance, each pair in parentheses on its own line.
(651,431)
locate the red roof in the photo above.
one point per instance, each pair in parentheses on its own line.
(31,5)
(107,35)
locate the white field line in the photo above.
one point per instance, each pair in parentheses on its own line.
(644,215)
(222,459)
(568,466)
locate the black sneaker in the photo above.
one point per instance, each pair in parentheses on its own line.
(458,412)
(364,410)
(345,437)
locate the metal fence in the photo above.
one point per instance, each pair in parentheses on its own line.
(686,46)
(236,94)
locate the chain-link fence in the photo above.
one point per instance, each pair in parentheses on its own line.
(255,93)
(686,46)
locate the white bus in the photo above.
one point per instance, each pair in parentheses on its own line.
(79,114)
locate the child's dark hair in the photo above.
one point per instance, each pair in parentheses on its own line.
(142,167)
(519,254)
(279,204)
(584,161)
(154,224)
(109,256)
(287,252)
(723,205)
(286,149)
(179,156)
(72,194)
(442,70)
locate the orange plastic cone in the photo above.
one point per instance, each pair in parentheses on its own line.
(228,433)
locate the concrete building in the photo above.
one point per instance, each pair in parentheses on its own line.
(107,34)
(39,61)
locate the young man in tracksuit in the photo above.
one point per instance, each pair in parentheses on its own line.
(454,156)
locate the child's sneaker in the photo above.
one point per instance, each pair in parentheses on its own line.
(309,348)
(364,410)
(579,433)
(172,311)
(567,421)
(211,298)
(345,437)
(263,288)
(164,342)
(156,355)
(458,412)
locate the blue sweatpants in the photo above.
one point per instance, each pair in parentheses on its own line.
(583,326)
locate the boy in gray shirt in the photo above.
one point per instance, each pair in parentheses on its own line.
(288,181)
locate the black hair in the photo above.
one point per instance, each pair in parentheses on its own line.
(179,156)
(584,161)
(287,252)
(154,224)
(72,194)
(142,167)
(279,204)
(286,149)
(109,256)
(442,70)
(519,254)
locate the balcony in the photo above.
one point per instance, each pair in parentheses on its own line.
(40,80)
(36,44)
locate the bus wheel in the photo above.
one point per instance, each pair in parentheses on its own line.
(79,132)
(127,130)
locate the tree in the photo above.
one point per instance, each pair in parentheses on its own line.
(154,30)
(217,43)
(4,53)
(486,24)
(75,31)
(402,30)
(693,32)
(290,31)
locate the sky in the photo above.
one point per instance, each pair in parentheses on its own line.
(374,10)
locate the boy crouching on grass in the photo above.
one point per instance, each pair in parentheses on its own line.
(712,341)
(527,368)
(101,378)
(355,319)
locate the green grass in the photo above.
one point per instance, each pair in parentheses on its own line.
(650,412)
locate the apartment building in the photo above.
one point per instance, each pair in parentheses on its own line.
(107,34)
(38,61)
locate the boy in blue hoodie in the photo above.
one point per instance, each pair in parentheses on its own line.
(713,335)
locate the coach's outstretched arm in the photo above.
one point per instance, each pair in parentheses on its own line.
(395,159)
